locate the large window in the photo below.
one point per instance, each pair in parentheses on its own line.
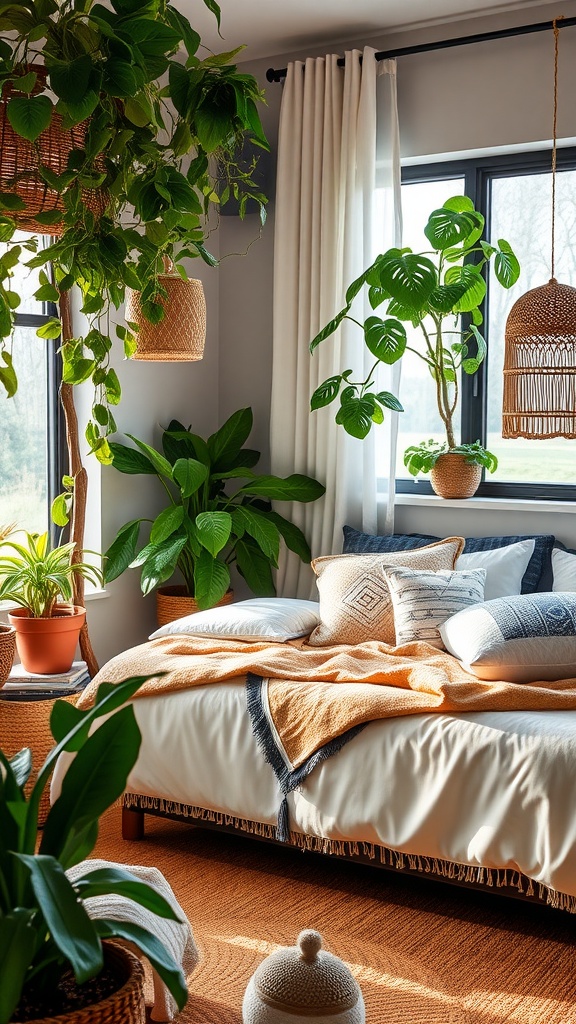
(514,194)
(30,433)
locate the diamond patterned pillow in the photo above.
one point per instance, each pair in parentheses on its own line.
(355,601)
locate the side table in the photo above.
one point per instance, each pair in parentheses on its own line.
(25,722)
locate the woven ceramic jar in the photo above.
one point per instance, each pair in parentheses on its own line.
(453,477)
(303,983)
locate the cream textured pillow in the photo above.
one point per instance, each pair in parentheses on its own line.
(423,600)
(355,601)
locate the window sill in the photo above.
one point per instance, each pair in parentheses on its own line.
(496,504)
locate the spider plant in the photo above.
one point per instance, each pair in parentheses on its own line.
(36,575)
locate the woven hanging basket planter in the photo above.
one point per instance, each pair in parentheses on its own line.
(125,1006)
(180,336)
(453,477)
(173,602)
(7,651)
(539,398)
(20,160)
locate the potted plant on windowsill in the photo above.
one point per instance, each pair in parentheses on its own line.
(54,954)
(209,522)
(431,290)
(39,578)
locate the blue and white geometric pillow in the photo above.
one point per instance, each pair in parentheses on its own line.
(516,639)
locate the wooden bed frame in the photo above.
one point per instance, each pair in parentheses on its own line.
(501,882)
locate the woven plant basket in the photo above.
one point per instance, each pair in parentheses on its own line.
(126,1006)
(27,724)
(180,336)
(20,159)
(7,651)
(453,477)
(540,364)
(173,602)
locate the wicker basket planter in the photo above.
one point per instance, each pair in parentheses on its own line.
(125,1006)
(7,651)
(453,477)
(180,336)
(47,645)
(173,602)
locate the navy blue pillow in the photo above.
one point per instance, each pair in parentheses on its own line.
(538,575)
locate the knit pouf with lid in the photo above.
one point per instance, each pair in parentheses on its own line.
(303,982)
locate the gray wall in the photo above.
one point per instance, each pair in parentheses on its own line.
(484,96)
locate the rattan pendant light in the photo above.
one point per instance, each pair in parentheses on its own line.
(540,345)
(180,336)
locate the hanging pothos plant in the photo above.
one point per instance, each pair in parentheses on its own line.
(164,129)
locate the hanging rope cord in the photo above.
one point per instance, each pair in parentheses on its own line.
(554,124)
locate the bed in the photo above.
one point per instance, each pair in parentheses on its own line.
(480,796)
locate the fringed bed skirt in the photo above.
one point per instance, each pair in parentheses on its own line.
(507,881)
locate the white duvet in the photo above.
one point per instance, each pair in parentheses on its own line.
(490,789)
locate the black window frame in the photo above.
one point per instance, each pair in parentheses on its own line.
(56,450)
(478,173)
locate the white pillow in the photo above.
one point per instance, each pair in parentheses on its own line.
(564,570)
(423,600)
(518,639)
(262,618)
(505,567)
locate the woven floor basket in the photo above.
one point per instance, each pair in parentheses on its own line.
(27,724)
(19,161)
(7,651)
(126,1006)
(540,364)
(452,477)
(173,602)
(182,332)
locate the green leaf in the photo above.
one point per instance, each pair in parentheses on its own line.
(213,530)
(255,568)
(161,563)
(50,330)
(60,511)
(326,392)
(9,201)
(211,580)
(377,295)
(329,329)
(161,465)
(70,927)
(470,276)
(17,948)
(408,277)
(127,460)
(166,523)
(117,881)
(122,551)
(153,950)
(385,339)
(295,487)
(261,529)
(29,116)
(389,401)
(356,417)
(446,296)
(447,227)
(70,80)
(225,444)
(506,265)
(189,474)
(482,348)
(292,536)
(119,79)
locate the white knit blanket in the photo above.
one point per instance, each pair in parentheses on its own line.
(176,936)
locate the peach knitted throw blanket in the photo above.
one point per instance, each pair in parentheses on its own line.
(315,695)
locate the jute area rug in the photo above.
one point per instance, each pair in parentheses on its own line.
(423,953)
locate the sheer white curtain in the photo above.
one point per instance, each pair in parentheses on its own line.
(326,233)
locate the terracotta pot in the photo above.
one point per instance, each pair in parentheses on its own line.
(173,602)
(7,651)
(47,645)
(453,477)
(126,1004)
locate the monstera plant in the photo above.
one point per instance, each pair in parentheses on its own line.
(440,293)
(158,128)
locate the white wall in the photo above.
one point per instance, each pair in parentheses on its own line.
(483,96)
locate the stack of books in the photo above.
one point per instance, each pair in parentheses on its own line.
(22,685)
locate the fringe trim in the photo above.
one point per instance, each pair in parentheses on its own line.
(499,878)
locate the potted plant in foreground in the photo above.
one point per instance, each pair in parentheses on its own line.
(209,522)
(432,291)
(39,578)
(53,960)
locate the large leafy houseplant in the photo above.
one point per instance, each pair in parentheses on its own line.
(210,522)
(45,930)
(439,292)
(165,128)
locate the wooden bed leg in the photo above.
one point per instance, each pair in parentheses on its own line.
(132,823)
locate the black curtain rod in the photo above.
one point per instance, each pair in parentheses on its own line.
(276,75)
